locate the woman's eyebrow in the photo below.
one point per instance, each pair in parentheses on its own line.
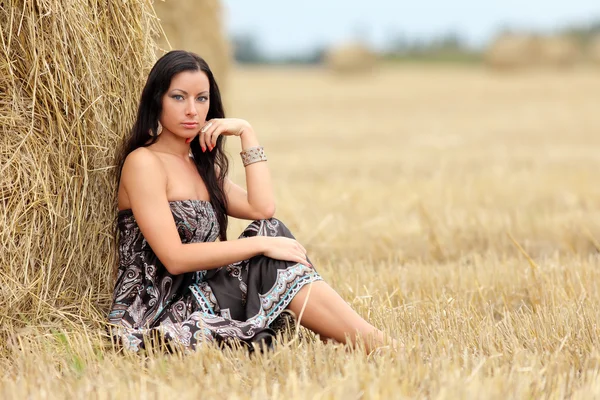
(184,92)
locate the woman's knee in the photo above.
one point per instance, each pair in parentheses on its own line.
(274,227)
(267,227)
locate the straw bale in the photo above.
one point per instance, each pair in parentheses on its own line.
(593,50)
(70,76)
(512,51)
(350,58)
(196,26)
(558,52)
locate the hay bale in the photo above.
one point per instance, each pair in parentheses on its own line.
(558,52)
(196,26)
(350,58)
(512,51)
(71,74)
(593,50)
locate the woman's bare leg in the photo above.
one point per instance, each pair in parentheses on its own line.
(328,315)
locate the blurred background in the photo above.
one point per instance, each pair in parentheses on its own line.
(425,131)
(272,32)
(421,131)
(357,36)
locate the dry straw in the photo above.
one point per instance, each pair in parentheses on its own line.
(511,51)
(520,51)
(559,52)
(593,50)
(70,76)
(350,58)
(196,26)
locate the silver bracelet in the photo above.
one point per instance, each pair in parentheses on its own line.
(252,155)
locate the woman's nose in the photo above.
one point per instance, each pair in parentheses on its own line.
(190,108)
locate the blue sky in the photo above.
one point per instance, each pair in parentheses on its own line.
(286,27)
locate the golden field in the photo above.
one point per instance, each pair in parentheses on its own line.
(454,208)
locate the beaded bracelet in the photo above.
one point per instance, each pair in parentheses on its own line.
(252,155)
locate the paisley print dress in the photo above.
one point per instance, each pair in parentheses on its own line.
(239,301)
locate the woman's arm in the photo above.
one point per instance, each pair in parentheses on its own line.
(259,201)
(145,183)
(258,179)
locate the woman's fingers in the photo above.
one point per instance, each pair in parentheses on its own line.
(299,246)
(301,259)
(288,249)
(206,133)
(302,248)
(207,126)
(212,133)
(215,135)
(202,140)
(209,136)
(217,127)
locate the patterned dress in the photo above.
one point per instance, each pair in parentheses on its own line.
(238,301)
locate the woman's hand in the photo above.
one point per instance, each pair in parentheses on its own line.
(213,128)
(285,249)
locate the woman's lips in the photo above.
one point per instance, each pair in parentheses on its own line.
(190,125)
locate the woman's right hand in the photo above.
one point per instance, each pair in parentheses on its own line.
(285,249)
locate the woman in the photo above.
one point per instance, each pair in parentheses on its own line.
(175,279)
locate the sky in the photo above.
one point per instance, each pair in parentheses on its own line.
(287,27)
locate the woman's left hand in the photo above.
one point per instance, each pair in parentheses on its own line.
(213,128)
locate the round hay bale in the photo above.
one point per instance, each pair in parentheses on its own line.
(70,76)
(558,52)
(512,51)
(350,58)
(196,26)
(593,50)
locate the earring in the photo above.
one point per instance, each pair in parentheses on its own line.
(158,130)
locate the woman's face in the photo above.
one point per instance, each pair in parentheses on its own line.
(185,104)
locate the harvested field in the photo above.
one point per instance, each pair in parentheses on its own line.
(455,208)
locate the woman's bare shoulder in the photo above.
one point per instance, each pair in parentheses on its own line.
(142,162)
(141,158)
(143,176)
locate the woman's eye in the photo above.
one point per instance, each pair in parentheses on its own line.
(178,97)
(202,98)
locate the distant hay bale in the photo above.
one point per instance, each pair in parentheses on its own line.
(512,51)
(350,58)
(593,50)
(71,73)
(522,51)
(196,26)
(558,52)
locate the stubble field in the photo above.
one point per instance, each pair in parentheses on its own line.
(456,209)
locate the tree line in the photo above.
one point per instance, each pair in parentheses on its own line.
(447,47)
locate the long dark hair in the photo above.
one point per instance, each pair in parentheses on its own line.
(149,110)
